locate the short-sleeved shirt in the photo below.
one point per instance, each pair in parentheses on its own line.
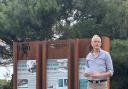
(101,63)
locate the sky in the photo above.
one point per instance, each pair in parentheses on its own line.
(6,72)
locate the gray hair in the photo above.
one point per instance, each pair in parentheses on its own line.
(95,36)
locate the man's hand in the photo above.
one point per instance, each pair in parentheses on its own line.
(87,74)
(101,75)
(96,75)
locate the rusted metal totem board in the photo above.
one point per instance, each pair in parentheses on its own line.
(57,65)
(27,65)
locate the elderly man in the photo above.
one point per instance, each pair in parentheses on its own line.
(99,66)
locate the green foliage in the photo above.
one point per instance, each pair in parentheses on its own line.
(115,20)
(119,52)
(4,84)
(22,20)
(89,15)
(41,19)
(103,17)
(91,9)
(81,30)
(33,20)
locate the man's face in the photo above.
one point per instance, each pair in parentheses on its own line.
(96,43)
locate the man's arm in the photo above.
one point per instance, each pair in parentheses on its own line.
(109,64)
(104,75)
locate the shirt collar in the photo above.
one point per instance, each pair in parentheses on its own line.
(100,51)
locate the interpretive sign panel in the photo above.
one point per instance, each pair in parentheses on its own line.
(57,73)
(82,79)
(26,74)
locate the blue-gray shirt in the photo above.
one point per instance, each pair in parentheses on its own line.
(102,63)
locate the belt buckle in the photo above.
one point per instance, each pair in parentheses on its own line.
(93,81)
(97,82)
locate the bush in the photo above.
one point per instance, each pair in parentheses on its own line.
(119,52)
(4,84)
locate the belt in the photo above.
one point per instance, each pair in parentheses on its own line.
(97,81)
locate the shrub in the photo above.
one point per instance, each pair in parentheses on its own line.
(4,84)
(119,52)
